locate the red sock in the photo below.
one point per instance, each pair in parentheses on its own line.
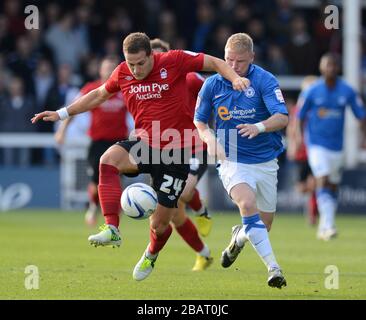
(313,208)
(195,202)
(158,242)
(110,191)
(189,233)
(93,196)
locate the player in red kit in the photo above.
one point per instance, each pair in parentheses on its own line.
(190,194)
(108,126)
(152,86)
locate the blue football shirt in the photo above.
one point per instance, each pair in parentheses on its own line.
(257,103)
(323,110)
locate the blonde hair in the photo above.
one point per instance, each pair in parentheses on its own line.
(240,42)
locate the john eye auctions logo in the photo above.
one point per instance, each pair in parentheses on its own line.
(148,91)
(163,73)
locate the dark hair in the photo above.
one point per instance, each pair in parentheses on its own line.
(160,44)
(332,56)
(136,42)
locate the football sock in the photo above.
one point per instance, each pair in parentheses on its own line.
(110,191)
(158,242)
(189,233)
(196,203)
(205,252)
(93,195)
(255,231)
(313,207)
(327,205)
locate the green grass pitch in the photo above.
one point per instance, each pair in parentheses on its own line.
(69,268)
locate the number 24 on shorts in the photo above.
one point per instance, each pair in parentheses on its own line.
(170,182)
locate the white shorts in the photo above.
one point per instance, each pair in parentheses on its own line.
(261,177)
(324,162)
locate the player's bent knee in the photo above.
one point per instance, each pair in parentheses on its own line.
(110,157)
(247,206)
(159,228)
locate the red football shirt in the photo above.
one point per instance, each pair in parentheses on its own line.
(159,102)
(194,84)
(108,120)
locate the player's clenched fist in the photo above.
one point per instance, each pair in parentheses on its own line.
(46,116)
(241,83)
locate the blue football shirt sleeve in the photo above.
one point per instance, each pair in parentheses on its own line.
(204,102)
(272,95)
(357,106)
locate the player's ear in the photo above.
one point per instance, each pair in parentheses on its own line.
(252,57)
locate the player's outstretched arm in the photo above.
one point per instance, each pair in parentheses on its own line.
(211,63)
(83,104)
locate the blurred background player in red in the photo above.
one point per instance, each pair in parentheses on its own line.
(296,151)
(108,125)
(190,195)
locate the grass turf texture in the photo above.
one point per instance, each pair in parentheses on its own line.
(69,268)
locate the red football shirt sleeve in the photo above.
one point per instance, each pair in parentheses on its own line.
(111,84)
(188,61)
(194,82)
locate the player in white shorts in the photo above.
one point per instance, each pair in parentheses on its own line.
(247,124)
(322,114)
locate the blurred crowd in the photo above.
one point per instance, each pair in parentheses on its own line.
(45,67)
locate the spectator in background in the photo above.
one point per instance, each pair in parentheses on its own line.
(43,80)
(13,12)
(301,50)
(62,33)
(276,62)
(168,27)
(241,15)
(322,35)
(218,40)
(52,14)
(279,21)
(256,29)
(6,40)
(205,25)
(23,61)
(111,46)
(15,108)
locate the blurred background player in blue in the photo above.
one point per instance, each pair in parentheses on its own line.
(322,117)
(247,124)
